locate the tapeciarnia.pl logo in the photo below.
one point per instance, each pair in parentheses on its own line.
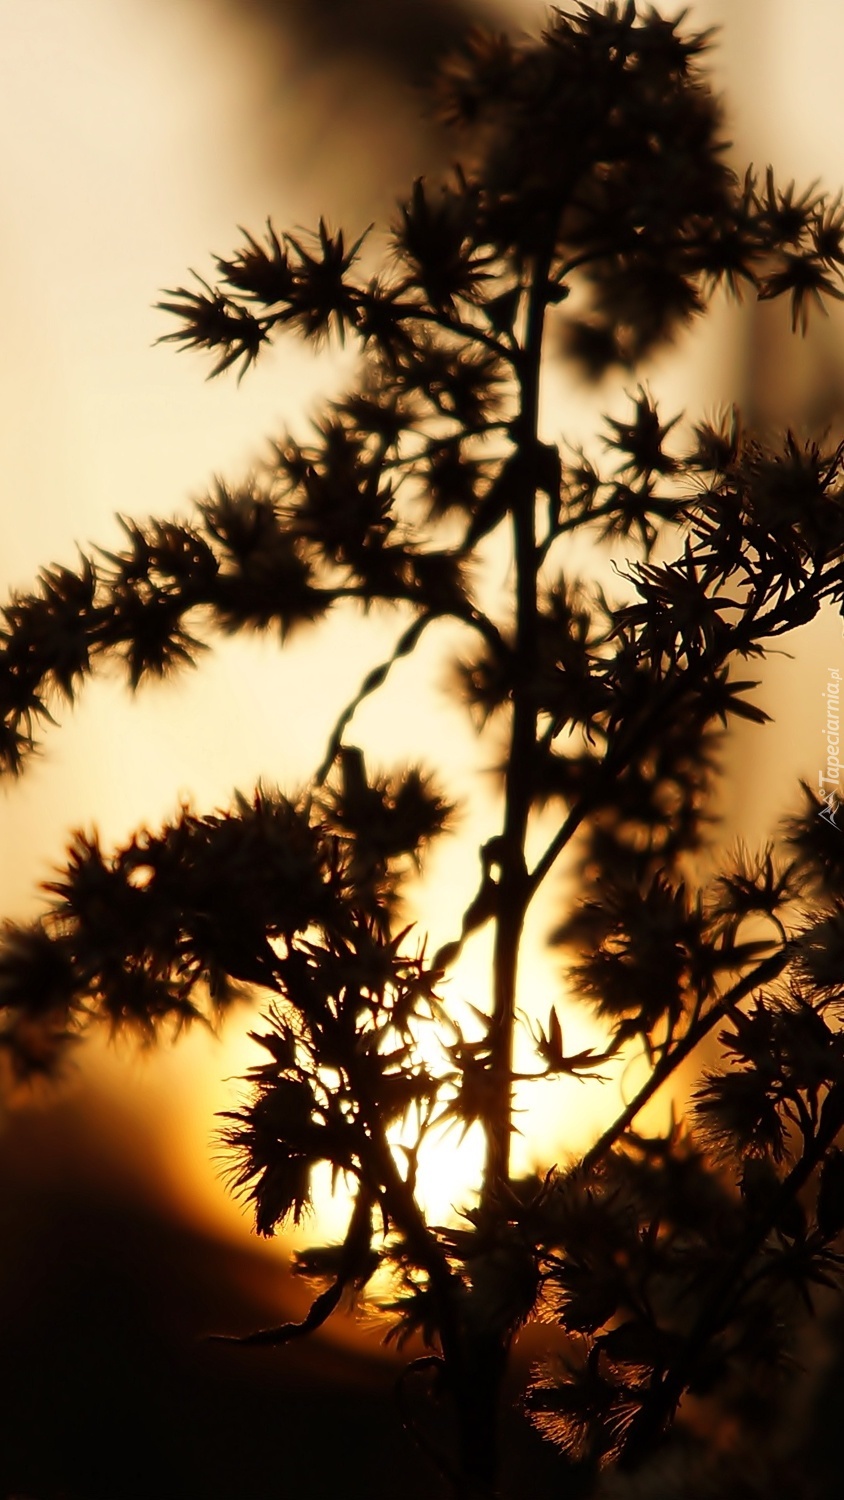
(830,798)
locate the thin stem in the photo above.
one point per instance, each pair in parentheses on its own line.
(475,1436)
(562,837)
(764,972)
(376,678)
(452,324)
(513,889)
(373,680)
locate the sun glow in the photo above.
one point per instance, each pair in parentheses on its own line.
(186,1089)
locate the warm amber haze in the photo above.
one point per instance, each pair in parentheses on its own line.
(496,1149)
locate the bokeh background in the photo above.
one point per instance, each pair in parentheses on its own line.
(135,136)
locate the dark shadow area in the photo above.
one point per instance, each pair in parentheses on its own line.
(338,95)
(402,41)
(111,1390)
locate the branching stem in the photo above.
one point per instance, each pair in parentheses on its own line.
(514,890)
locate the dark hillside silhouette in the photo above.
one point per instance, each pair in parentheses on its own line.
(111,1387)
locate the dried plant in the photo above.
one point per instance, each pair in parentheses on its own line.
(679,1269)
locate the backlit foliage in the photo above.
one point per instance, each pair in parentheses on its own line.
(674,1271)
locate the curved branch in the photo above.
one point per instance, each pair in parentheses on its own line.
(376,678)
(354,1251)
(373,680)
(320,1311)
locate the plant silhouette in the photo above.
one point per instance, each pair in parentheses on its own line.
(678,1269)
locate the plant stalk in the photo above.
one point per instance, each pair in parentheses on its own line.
(513,885)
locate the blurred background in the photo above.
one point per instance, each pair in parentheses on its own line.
(135,136)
